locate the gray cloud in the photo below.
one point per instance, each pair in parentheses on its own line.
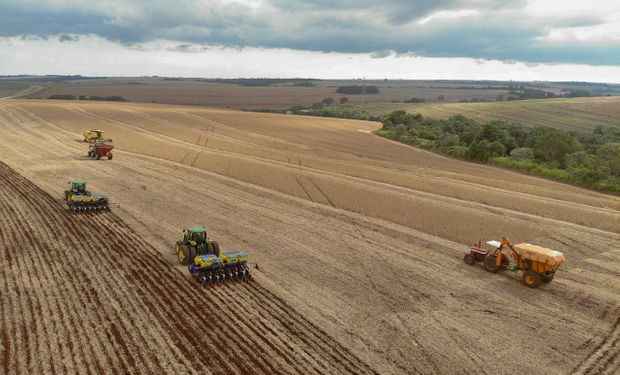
(487,29)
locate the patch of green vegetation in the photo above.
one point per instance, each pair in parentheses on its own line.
(591,159)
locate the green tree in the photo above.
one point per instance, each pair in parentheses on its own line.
(328,101)
(555,145)
(609,154)
(344,100)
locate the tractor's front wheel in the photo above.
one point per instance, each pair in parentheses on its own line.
(531,279)
(490,264)
(98,156)
(182,253)
(216,248)
(110,156)
(469,259)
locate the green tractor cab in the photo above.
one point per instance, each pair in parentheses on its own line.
(195,242)
(79,199)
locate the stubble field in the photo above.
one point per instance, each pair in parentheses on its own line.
(356,236)
(571,114)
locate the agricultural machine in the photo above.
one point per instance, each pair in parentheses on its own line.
(81,200)
(101,149)
(93,135)
(205,261)
(537,263)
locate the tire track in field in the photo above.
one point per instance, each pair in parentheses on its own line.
(227,330)
(605,358)
(83,281)
(86,341)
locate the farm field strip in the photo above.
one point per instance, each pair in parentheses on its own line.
(578,114)
(131,312)
(204,157)
(381,282)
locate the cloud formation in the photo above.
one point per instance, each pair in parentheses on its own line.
(512,30)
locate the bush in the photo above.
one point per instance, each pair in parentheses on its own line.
(522,153)
(62,97)
(415,100)
(328,101)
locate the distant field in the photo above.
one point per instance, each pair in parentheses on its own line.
(8,88)
(580,114)
(282,94)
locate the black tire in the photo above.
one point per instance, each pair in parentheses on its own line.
(110,156)
(216,248)
(469,259)
(531,279)
(490,264)
(192,254)
(546,279)
(98,156)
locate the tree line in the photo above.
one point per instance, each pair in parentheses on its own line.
(587,159)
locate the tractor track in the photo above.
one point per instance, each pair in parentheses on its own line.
(77,303)
(605,358)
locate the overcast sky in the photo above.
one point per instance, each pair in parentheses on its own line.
(450,39)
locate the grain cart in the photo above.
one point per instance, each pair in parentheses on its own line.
(537,263)
(81,200)
(101,149)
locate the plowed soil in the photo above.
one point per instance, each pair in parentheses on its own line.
(85,294)
(359,243)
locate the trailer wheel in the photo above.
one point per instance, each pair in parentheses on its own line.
(110,156)
(531,279)
(546,279)
(469,259)
(216,248)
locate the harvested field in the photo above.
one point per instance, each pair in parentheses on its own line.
(85,294)
(362,236)
(284,95)
(576,114)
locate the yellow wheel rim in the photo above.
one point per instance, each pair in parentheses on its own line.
(529,279)
(180,253)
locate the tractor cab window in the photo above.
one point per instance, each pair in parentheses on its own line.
(198,237)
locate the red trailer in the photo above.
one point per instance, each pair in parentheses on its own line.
(100,149)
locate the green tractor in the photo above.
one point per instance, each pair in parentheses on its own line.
(195,242)
(79,199)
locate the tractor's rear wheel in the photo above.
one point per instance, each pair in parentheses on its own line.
(490,264)
(216,248)
(531,279)
(469,259)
